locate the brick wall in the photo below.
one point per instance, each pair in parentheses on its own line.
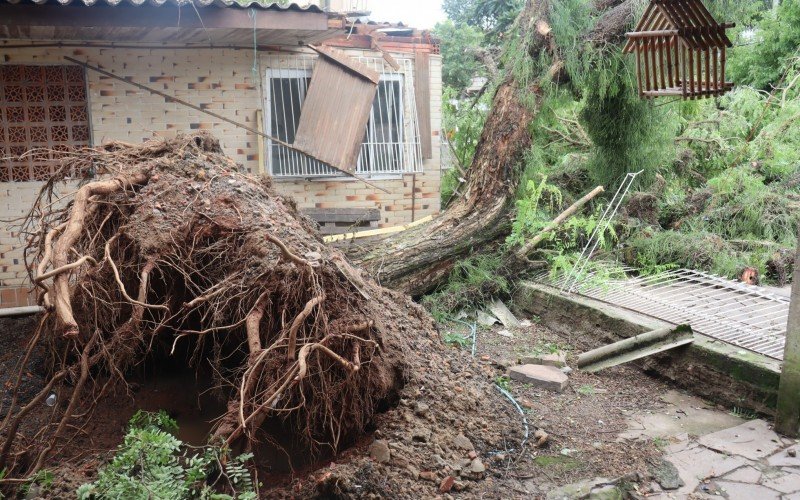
(221,80)
(396,205)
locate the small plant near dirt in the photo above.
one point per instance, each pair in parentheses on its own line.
(473,282)
(586,390)
(743,413)
(560,462)
(503,382)
(456,340)
(660,443)
(43,479)
(152,463)
(548,348)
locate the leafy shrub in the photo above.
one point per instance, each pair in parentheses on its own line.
(152,463)
(473,281)
(699,250)
(776,39)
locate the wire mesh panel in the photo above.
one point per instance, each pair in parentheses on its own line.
(43,114)
(391,142)
(746,316)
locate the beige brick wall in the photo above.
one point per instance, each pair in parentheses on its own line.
(396,205)
(221,80)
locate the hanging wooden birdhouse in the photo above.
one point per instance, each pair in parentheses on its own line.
(680,51)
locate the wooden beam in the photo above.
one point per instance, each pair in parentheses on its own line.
(788,414)
(376,232)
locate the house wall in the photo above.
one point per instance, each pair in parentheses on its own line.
(223,81)
(396,205)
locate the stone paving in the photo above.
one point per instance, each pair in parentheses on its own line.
(746,462)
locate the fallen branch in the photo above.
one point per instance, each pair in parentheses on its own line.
(529,247)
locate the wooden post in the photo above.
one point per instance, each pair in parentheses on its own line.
(788,417)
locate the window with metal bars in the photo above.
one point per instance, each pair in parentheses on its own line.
(391,144)
(43,116)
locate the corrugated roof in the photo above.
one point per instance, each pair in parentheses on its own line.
(245,4)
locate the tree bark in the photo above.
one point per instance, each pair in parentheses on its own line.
(418,260)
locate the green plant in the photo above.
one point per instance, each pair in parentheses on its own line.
(534,210)
(457,340)
(503,382)
(547,348)
(660,442)
(586,390)
(154,420)
(43,479)
(458,42)
(769,48)
(743,413)
(152,463)
(473,282)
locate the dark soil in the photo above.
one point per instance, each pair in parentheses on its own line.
(450,395)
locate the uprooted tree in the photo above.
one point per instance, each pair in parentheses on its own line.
(174,248)
(177,249)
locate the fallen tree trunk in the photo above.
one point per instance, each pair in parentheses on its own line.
(418,260)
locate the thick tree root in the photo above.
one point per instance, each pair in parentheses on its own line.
(220,267)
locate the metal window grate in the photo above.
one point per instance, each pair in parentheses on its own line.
(746,316)
(43,115)
(391,140)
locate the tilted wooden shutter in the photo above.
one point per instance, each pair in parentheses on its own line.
(422,94)
(336,109)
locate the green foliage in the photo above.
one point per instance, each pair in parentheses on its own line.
(743,413)
(473,281)
(775,43)
(492,17)
(457,340)
(154,420)
(629,134)
(43,479)
(531,216)
(457,44)
(547,348)
(586,390)
(660,442)
(503,382)
(695,250)
(152,463)
(463,123)
(744,207)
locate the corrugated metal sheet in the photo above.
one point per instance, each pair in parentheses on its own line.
(245,4)
(336,109)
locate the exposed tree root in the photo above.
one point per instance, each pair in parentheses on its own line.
(173,250)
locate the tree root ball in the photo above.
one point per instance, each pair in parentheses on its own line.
(173,248)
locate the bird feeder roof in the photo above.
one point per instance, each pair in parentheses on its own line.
(687,19)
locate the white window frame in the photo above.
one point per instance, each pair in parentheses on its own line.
(408,138)
(372,137)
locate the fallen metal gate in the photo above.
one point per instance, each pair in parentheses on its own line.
(746,316)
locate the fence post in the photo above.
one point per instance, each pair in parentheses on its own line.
(788,416)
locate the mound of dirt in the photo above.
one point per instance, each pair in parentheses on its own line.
(176,257)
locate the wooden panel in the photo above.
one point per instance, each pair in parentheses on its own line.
(422,94)
(335,114)
(341,58)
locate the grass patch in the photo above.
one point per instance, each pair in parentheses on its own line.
(559,462)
